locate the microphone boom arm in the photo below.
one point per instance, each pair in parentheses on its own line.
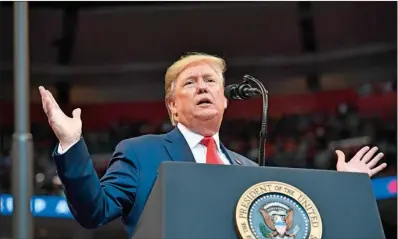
(263,130)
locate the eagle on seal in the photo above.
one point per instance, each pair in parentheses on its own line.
(279,224)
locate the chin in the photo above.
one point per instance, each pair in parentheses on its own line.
(205,116)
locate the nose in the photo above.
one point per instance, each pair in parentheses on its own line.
(201,86)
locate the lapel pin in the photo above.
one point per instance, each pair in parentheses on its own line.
(238,162)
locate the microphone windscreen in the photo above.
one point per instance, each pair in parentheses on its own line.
(229,91)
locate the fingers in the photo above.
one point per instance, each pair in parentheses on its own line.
(76,113)
(377,169)
(48,107)
(360,153)
(375,160)
(368,156)
(44,100)
(48,101)
(51,98)
(41,90)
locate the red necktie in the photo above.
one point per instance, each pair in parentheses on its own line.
(211,155)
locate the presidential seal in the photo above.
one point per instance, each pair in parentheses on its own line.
(277,210)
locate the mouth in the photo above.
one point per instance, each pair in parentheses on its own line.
(204,102)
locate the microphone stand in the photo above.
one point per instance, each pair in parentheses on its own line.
(263,130)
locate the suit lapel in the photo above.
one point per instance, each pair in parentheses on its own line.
(232,158)
(179,150)
(177,146)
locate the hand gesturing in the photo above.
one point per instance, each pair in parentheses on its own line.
(362,162)
(68,130)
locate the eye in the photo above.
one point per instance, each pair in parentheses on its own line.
(188,82)
(209,79)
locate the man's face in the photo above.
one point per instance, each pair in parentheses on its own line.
(198,95)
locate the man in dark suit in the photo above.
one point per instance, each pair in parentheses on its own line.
(195,100)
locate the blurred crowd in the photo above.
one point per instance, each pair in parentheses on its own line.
(299,141)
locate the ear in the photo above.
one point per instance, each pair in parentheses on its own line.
(171,105)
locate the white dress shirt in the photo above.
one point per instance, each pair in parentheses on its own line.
(193,140)
(198,149)
(60,150)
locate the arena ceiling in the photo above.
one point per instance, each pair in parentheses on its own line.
(95,4)
(137,39)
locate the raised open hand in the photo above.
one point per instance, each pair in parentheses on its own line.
(362,162)
(68,130)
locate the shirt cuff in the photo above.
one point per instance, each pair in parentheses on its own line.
(60,150)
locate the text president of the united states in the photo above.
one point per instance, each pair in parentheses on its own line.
(194,88)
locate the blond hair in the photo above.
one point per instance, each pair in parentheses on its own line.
(177,67)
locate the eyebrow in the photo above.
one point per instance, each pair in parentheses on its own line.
(196,75)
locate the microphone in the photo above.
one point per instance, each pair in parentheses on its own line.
(245,91)
(241,91)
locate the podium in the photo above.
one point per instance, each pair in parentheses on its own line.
(200,201)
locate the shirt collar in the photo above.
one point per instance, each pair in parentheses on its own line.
(194,139)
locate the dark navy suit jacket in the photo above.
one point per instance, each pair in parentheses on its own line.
(127,183)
